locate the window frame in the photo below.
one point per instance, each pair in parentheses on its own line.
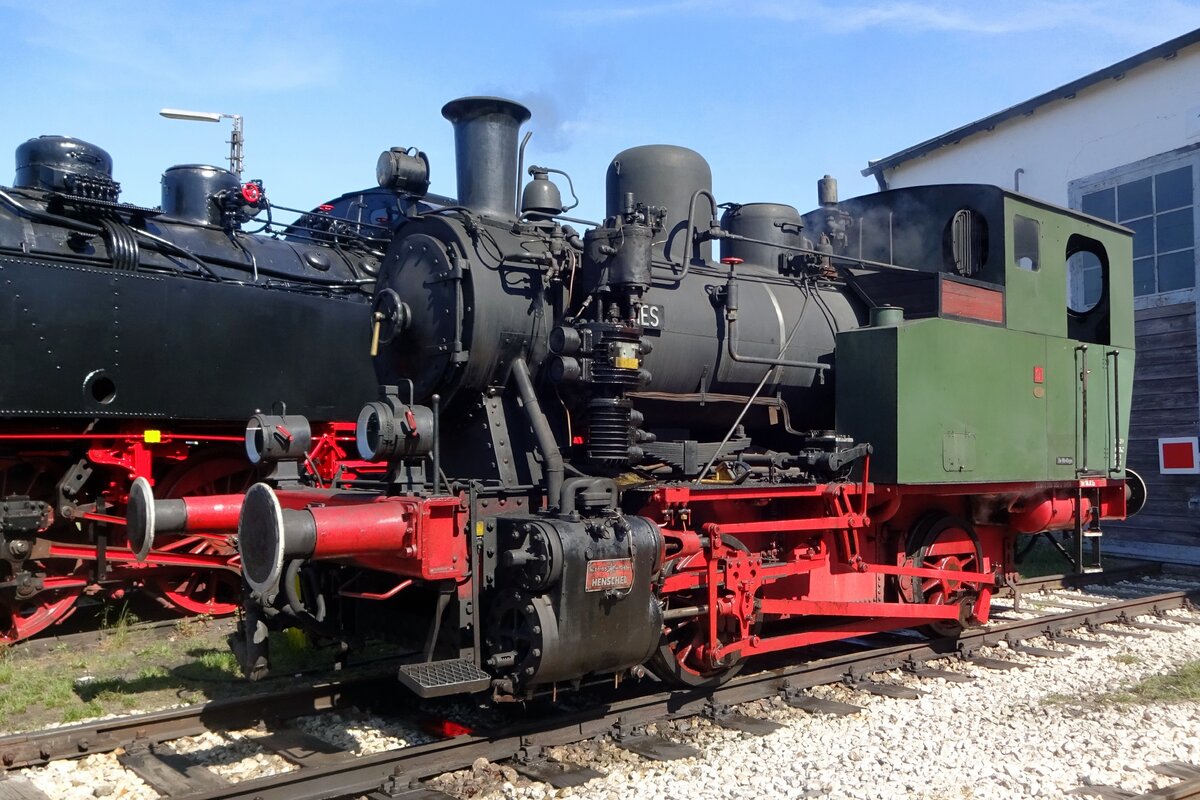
(1137,170)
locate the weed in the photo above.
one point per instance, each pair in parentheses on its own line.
(1126,658)
(190,627)
(76,713)
(1059,699)
(1174,687)
(118,621)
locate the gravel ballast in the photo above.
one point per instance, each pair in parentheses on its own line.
(1035,732)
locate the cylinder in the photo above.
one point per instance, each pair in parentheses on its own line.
(485,152)
(775,223)
(666,176)
(189,192)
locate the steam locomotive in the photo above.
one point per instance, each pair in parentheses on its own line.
(137,341)
(608,451)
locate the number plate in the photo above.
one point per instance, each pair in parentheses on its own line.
(611,573)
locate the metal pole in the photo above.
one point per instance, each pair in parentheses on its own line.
(235,146)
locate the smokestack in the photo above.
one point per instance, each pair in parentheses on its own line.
(485,151)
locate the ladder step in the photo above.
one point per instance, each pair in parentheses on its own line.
(439,678)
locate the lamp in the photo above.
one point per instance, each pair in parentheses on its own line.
(235,138)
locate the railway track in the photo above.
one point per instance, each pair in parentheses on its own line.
(1048,607)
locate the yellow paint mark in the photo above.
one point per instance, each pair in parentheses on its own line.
(152,437)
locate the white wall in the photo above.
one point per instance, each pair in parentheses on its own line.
(1154,109)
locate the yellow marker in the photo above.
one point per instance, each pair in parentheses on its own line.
(152,437)
(479,528)
(625,362)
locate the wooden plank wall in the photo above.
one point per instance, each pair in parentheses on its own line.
(1165,403)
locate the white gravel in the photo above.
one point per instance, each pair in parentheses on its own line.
(232,754)
(95,777)
(361,734)
(1037,732)
(1005,735)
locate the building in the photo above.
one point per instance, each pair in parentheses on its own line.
(1122,143)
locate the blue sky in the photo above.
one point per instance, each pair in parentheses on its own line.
(775,94)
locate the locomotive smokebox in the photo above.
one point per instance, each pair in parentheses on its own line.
(485,151)
(666,176)
(189,192)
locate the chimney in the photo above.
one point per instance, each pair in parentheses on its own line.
(485,152)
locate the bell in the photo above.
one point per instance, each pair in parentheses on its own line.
(540,195)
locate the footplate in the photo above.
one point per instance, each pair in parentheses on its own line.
(438,678)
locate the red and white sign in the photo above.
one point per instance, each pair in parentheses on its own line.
(1179,456)
(609,573)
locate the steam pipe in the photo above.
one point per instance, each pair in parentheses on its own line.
(541,430)
(436,402)
(520,172)
(731,309)
(689,240)
(862,262)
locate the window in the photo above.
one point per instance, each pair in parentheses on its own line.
(966,241)
(1026,244)
(1085,274)
(1156,199)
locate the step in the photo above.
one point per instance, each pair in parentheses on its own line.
(439,678)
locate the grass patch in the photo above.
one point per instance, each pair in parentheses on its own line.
(1174,687)
(132,669)
(1178,686)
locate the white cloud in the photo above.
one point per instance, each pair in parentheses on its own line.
(1144,23)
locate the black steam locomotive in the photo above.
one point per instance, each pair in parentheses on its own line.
(136,342)
(606,450)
